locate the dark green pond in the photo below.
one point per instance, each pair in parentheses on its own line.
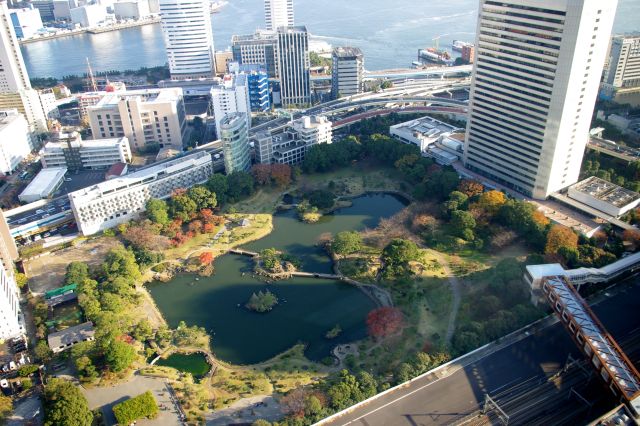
(195,363)
(308,308)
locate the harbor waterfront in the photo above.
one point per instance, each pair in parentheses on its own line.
(388,34)
(308,308)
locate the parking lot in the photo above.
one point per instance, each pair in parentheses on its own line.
(78,180)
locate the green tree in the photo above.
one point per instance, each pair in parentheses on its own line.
(240,185)
(457,201)
(76,273)
(345,391)
(182,207)
(42,351)
(203,198)
(346,242)
(368,384)
(321,198)
(27,370)
(143,330)
(64,405)
(119,355)
(139,407)
(461,220)
(121,262)
(219,185)
(157,211)
(262,301)
(400,252)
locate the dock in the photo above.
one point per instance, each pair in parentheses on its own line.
(95,30)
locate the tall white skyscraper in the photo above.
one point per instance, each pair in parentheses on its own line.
(536,76)
(15,87)
(11,323)
(13,73)
(188,38)
(278,13)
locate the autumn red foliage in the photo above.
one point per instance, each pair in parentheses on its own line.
(384,321)
(262,174)
(281,174)
(206,258)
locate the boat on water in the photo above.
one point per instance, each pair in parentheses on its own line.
(457,45)
(216,6)
(434,56)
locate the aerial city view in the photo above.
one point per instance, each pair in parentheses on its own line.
(299,212)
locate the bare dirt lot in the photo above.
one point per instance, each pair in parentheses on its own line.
(47,272)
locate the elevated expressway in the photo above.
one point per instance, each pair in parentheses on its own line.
(335,108)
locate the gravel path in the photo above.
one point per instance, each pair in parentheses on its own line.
(456,291)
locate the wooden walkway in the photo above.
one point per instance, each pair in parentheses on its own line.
(243,252)
(314,275)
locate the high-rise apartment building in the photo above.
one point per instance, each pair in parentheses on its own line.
(15,87)
(258,83)
(15,140)
(347,77)
(26,21)
(231,96)
(46,9)
(188,38)
(146,117)
(624,68)
(278,13)
(234,134)
(536,76)
(468,53)
(13,73)
(293,65)
(256,49)
(622,79)
(11,323)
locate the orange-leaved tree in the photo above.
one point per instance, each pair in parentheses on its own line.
(560,236)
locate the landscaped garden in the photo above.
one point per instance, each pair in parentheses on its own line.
(408,267)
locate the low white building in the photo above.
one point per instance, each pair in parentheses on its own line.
(119,200)
(604,196)
(131,9)
(70,151)
(89,15)
(314,130)
(11,321)
(422,132)
(15,140)
(290,146)
(62,340)
(43,185)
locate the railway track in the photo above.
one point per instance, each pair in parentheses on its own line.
(564,398)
